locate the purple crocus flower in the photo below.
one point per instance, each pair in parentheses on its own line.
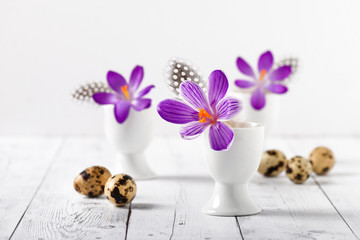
(200,112)
(267,79)
(125,94)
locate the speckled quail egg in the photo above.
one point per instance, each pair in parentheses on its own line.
(120,189)
(91,182)
(272,163)
(298,169)
(322,160)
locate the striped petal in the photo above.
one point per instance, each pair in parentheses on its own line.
(121,110)
(116,81)
(105,98)
(141,104)
(258,99)
(193,130)
(244,67)
(228,108)
(144,91)
(136,78)
(194,95)
(280,74)
(244,83)
(265,61)
(277,88)
(177,112)
(221,136)
(218,86)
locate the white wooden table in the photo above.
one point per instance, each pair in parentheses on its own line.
(37,199)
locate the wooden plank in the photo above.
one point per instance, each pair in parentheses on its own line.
(23,164)
(341,184)
(171,205)
(190,222)
(291,211)
(196,187)
(152,211)
(59,212)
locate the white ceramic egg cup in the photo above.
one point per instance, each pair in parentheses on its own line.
(267,116)
(130,140)
(233,169)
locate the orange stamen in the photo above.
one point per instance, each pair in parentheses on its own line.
(124,89)
(262,74)
(203,114)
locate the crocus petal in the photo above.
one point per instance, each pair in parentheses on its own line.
(194,95)
(105,98)
(280,74)
(141,104)
(228,108)
(177,112)
(121,110)
(221,136)
(277,88)
(136,77)
(258,99)
(144,91)
(244,83)
(244,67)
(193,130)
(116,81)
(218,86)
(265,61)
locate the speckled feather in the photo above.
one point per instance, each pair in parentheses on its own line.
(179,71)
(85,92)
(293,62)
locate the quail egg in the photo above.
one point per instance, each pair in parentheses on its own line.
(298,169)
(322,160)
(91,182)
(272,163)
(120,189)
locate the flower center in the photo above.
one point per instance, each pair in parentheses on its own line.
(124,89)
(262,74)
(203,115)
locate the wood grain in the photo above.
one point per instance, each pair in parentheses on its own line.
(37,174)
(176,197)
(196,187)
(152,211)
(23,165)
(341,184)
(59,212)
(291,211)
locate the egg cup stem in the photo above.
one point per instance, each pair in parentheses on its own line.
(267,116)
(134,164)
(231,200)
(130,141)
(232,171)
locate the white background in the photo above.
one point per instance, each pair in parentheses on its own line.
(47,48)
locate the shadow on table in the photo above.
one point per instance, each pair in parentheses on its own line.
(340,174)
(149,206)
(186,178)
(305,214)
(331,179)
